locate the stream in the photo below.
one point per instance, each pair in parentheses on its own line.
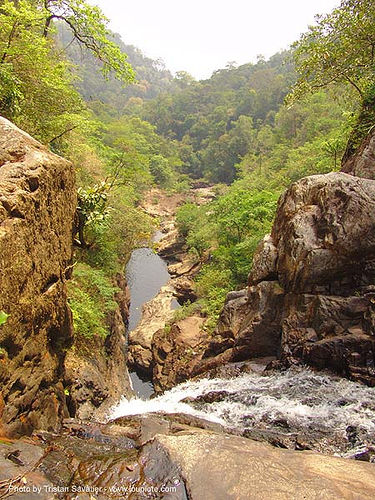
(146,273)
(299,406)
(314,410)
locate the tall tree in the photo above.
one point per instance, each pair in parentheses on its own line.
(35,82)
(88,26)
(340,48)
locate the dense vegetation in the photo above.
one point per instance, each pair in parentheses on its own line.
(116,159)
(67,80)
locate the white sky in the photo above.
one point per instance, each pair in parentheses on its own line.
(200,36)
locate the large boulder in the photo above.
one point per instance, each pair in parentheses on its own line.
(175,351)
(216,466)
(174,457)
(311,294)
(37,207)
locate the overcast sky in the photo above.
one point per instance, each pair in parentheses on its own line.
(200,36)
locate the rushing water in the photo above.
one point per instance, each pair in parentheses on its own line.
(328,413)
(336,413)
(146,273)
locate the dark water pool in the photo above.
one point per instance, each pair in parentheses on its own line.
(146,273)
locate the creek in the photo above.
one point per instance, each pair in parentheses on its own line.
(324,412)
(146,273)
(299,406)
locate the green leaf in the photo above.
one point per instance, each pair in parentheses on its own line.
(3,317)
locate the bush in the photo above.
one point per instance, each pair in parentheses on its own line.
(187,217)
(91,298)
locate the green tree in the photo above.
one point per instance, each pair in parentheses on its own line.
(88,26)
(92,209)
(160,170)
(340,48)
(36,90)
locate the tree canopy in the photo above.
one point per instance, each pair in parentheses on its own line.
(88,26)
(339,48)
(36,88)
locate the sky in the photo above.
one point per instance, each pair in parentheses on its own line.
(201,36)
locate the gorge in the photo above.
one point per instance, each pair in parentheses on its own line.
(187,268)
(296,409)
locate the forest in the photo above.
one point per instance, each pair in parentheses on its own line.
(127,124)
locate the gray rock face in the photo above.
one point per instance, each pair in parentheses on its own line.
(362,163)
(324,235)
(311,294)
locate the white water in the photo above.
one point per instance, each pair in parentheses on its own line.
(298,400)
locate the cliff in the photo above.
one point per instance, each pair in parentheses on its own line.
(37,206)
(46,373)
(96,373)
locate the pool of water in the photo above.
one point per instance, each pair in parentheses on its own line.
(146,273)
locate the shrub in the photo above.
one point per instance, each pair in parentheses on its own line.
(91,298)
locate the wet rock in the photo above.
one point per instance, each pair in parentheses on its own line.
(244,469)
(236,369)
(210,397)
(175,457)
(37,207)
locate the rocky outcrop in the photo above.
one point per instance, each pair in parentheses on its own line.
(311,294)
(362,162)
(174,352)
(96,372)
(37,206)
(159,457)
(155,314)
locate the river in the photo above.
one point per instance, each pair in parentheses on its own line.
(146,273)
(329,413)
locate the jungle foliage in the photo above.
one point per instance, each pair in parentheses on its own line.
(128,124)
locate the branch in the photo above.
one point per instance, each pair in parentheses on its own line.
(63,133)
(354,85)
(10,39)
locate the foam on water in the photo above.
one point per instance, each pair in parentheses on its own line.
(298,398)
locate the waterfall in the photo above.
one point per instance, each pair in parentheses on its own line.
(319,406)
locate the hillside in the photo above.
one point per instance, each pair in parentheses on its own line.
(151,75)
